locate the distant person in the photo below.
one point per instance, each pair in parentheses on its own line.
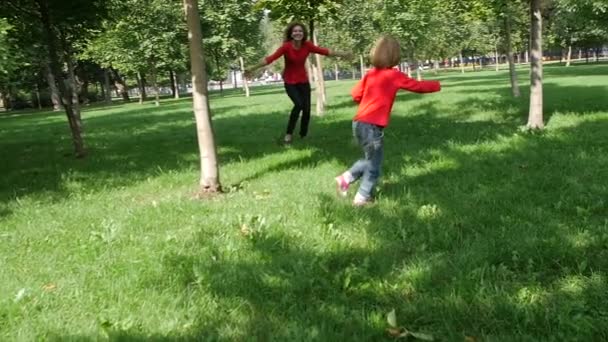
(295,49)
(375,94)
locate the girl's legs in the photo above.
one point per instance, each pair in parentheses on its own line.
(304,89)
(300,96)
(371,140)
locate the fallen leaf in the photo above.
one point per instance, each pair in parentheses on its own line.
(392,318)
(422,336)
(49,287)
(245,231)
(394,332)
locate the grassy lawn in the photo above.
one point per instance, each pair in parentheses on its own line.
(480,230)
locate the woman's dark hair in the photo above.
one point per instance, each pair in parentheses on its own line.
(289,29)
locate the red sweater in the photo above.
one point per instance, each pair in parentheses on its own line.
(295,60)
(376,93)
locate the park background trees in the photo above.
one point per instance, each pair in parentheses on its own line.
(68,55)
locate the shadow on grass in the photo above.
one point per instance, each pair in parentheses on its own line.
(479,248)
(491,234)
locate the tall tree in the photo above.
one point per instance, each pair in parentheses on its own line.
(535,117)
(210,178)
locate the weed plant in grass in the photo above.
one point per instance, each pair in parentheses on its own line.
(480,229)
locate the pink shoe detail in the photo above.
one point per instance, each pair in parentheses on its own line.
(341,186)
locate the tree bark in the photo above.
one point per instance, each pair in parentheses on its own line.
(106,87)
(569,56)
(50,79)
(37,90)
(461,62)
(51,42)
(155,85)
(337,77)
(362,66)
(174,92)
(121,85)
(209,179)
(509,46)
(535,117)
(245,84)
(496,55)
(321,94)
(141,84)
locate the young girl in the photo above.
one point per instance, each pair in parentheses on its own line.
(375,94)
(296,49)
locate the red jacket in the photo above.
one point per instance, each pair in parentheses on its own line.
(295,60)
(376,93)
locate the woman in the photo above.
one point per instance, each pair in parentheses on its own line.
(295,50)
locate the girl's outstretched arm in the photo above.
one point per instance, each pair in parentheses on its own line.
(265,61)
(415,86)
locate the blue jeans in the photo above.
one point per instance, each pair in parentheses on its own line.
(371,139)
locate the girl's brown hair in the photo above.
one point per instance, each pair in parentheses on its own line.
(290,28)
(386,52)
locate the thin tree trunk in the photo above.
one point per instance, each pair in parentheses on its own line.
(55,96)
(580,54)
(436,66)
(176,86)
(527,56)
(155,85)
(38,96)
(354,71)
(47,26)
(496,55)
(361,66)
(461,62)
(535,117)
(173,85)
(518,58)
(245,83)
(509,47)
(141,84)
(569,56)
(74,89)
(209,179)
(121,85)
(322,95)
(336,72)
(418,73)
(106,86)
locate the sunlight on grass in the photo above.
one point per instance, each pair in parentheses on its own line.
(479,228)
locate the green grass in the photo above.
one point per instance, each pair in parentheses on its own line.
(480,229)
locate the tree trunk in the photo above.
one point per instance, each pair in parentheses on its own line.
(37,88)
(55,70)
(461,62)
(580,54)
(535,117)
(141,84)
(176,85)
(121,85)
(73,87)
(496,55)
(569,56)
(527,56)
(321,94)
(245,84)
(155,85)
(418,73)
(518,58)
(509,47)
(173,85)
(354,71)
(210,179)
(50,79)
(336,72)
(436,66)
(106,87)
(362,66)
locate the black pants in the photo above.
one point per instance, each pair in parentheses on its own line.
(300,96)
